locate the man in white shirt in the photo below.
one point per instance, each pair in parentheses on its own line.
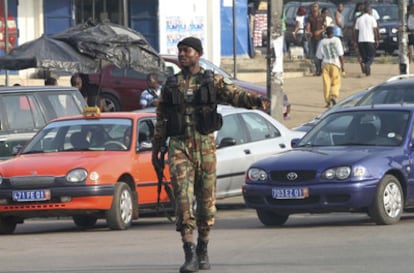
(331,52)
(367,38)
(149,97)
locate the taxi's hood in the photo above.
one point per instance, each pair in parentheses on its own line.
(56,164)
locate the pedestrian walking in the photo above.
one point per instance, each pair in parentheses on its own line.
(187,115)
(299,33)
(327,19)
(76,81)
(339,17)
(339,21)
(315,27)
(367,38)
(149,97)
(330,52)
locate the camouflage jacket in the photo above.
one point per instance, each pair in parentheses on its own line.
(226,93)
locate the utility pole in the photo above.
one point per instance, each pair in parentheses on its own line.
(403,37)
(275,70)
(6,37)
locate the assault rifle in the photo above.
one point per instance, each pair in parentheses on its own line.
(159,165)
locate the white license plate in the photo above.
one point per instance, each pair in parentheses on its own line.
(290,193)
(31,195)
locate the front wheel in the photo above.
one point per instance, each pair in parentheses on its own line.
(387,206)
(7,225)
(110,103)
(269,218)
(119,217)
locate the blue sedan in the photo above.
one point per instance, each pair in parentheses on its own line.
(357,159)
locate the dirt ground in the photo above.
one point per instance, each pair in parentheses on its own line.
(305,92)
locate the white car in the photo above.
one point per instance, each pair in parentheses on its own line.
(246,136)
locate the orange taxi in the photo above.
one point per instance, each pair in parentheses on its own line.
(91,166)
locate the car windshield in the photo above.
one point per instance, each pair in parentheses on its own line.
(371,127)
(388,95)
(387,12)
(82,135)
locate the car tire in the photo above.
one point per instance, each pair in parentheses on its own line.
(119,217)
(269,218)
(7,225)
(110,103)
(388,203)
(84,221)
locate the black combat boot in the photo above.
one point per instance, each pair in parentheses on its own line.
(202,255)
(191,262)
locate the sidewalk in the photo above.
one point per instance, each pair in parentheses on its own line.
(305,92)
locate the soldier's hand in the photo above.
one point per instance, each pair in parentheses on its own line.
(265,103)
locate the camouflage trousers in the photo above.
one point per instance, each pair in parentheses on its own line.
(192,163)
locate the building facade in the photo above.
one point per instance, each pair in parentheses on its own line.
(162,22)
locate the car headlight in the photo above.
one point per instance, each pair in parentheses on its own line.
(340,173)
(76,175)
(256,175)
(382,30)
(394,30)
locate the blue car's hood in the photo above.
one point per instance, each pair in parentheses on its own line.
(321,157)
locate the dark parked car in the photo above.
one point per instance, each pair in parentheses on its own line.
(357,159)
(122,87)
(387,26)
(25,110)
(396,90)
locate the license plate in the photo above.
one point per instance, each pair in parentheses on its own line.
(290,193)
(31,195)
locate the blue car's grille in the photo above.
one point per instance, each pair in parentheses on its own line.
(292,176)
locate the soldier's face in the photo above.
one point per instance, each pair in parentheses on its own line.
(188,56)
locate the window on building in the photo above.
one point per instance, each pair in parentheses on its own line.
(111,10)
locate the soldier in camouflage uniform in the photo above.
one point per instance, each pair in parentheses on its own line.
(187,114)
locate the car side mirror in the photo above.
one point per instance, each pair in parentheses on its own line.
(294,142)
(412,144)
(227,141)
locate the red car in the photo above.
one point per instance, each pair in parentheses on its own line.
(121,87)
(85,167)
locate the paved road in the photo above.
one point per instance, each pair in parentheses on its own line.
(331,243)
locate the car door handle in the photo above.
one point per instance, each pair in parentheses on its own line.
(246,151)
(282,145)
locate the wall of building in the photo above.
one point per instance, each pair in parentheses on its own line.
(30,23)
(202,15)
(181,18)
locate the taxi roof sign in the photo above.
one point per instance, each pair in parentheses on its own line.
(92,112)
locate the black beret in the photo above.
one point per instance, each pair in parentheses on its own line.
(192,42)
